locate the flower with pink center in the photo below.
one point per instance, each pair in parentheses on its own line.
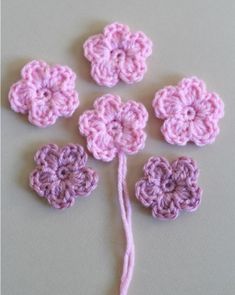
(169,188)
(61,175)
(44,93)
(191,113)
(114,127)
(117,54)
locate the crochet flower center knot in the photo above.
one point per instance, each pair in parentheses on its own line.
(189,113)
(168,186)
(63,172)
(118,54)
(114,128)
(44,94)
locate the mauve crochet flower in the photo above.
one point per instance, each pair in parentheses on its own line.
(191,113)
(61,175)
(114,127)
(117,54)
(169,188)
(44,93)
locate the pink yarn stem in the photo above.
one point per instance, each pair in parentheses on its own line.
(125,206)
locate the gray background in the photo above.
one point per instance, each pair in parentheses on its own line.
(78,251)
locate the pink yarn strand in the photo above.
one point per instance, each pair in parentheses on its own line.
(125,207)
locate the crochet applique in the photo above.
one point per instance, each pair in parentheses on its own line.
(44,93)
(115,129)
(191,113)
(117,55)
(61,175)
(169,188)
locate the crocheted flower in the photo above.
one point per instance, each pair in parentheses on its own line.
(44,93)
(191,113)
(117,54)
(61,175)
(169,188)
(114,127)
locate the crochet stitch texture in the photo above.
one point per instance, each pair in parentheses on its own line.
(169,188)
(44,93)
(61,175)
(114,127)
(117,54)
(191,113)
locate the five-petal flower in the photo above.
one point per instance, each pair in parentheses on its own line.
(117,54)
(44,93)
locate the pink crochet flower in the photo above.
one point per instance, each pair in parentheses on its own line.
(169,188)
(114,127)
(191,113)
(44,93)
(61,175)
(117,54)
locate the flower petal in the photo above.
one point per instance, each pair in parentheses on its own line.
(146,192)
(108,107)
(74,156)
(139,45)
(204,131)
(21,95)
(157,169)
(167,102)
(134,115)
(96,48)
(210,107)
(42,114)
(164,208)
(105,73)
(62,78)
(132,69)
(191,90)
(65,102)
(102,147)
(130,141)
(41,180)
(176,131)
(48,156)
(90,123)
(83,182)
(185,171)
(37,72)
(188,198)
(117,34)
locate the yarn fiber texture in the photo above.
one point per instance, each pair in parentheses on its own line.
(189,111)
(44,93)
(114,127)
(117,55)
(61,175)
(169,188)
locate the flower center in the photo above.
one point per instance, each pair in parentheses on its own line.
(114,128)
(44,94)
(63,172)
(118,54)
(168,185)
(189,113)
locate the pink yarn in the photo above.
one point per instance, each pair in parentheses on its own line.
(191,113)
(44,93)
(117,54)
(169,188)
(61,175)
(114,129)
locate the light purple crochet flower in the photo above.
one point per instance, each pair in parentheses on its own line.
(117,54)
(44,93)
(114,127)
(191,113)
(61,175)
(169,188)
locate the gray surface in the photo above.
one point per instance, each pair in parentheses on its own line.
(78,251)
